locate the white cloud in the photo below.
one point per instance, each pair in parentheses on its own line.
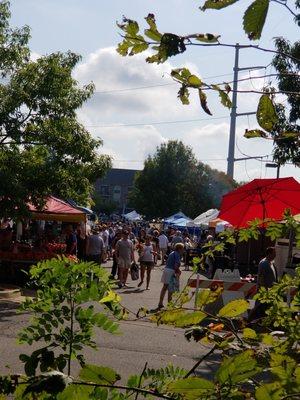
(114,74)
(107,113)
(129,146)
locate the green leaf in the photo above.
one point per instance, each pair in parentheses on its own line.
(217,5)
(111,297)
(132,28)
(290,135)
(191,388)
(225,99)
(255,17)
(269,391)
(234,308)
(194,81)
(98,374)
(266,114)
(183,95)
(249,334)
(152,33)
(203,102)
(189,319)
(207,38)
(181,74)
(138,48)
(254,133)
(76,392)
(202,297)
(168,317)
(237,369)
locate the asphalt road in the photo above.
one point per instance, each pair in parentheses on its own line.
(139,342)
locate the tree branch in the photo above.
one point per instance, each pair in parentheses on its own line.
(191,371)
(140,380)
(284,4)
(139,390)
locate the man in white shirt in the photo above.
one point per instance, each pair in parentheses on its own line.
(163,246)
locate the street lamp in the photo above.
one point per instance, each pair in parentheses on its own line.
(274,165)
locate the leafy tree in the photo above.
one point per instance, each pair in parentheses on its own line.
(288,147)
(174,180)
(102,205)
(43,148)
(286,61)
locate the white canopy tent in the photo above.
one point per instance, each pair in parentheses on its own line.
(133,216)
(204,218)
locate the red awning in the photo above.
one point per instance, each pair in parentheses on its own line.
(57,210)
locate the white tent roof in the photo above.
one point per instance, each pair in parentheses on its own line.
(204,218)
(133,216)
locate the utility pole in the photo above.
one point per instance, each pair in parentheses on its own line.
(230,159)
(233,115)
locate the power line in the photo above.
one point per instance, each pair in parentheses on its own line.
(157,123)
(140,161)
(150,86)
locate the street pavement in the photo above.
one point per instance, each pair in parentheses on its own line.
(139,342)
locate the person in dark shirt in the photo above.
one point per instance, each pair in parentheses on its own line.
(114,269)
(81,243)
(71,241)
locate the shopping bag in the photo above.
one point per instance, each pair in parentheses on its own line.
(134,272)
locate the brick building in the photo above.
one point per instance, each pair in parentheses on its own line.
(115,186)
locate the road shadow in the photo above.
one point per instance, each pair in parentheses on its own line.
(133,290)
(8,309)
(209,366)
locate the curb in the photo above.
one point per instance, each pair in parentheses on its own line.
(9,291)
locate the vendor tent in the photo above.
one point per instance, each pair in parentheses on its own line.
(181,222)
(133,216)
(57,210)
(204,218)
(86,210)
(173,218)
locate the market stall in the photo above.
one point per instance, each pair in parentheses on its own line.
(40,237)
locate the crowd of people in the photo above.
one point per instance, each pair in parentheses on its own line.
(143,246)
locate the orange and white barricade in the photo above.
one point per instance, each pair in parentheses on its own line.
(230,282)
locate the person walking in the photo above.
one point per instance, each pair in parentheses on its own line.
(125,256)
(163,246)
(147,254)
(94,247)
(266,277)
(171,271)
(71,241)
(176,239)
(114,269)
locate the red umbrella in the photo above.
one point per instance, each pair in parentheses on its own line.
(261,198)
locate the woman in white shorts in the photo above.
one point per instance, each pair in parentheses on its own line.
(172,269)
(147,254)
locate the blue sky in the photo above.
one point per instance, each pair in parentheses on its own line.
(129,121)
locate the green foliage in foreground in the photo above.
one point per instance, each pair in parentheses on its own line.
(63,317)
(258,361)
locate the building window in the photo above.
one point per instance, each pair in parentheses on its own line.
(104,190)
(117,193)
